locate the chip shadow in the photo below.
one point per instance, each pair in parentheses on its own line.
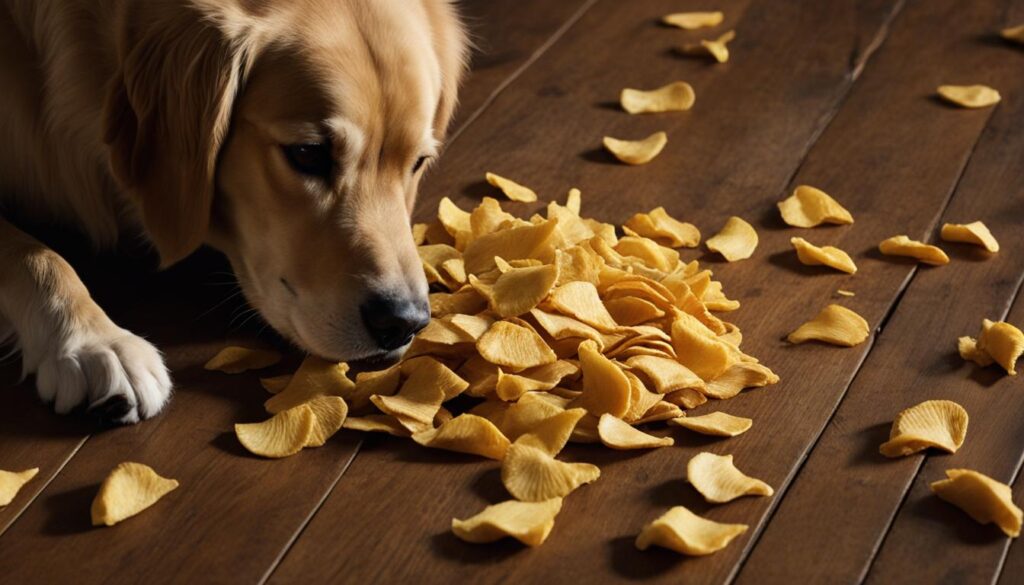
(632,563)
(67,512)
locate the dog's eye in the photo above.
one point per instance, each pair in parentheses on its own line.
(310,159)
(419,163)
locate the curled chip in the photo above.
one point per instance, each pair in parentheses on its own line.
(376,423)
(846,293)
(551,433)
(519,290)
(235,360)
(716,48)
(698,349)
(636,152)
(808,207)
(972,233)
(582,301)
(674,97)
(429,383)
(693,20)
(618,434)
(633,310)
(510,387)
(738,377)
(664,229)
(315,377)
(834,324)
(329,414)
(904,246)
(606,388)
(718,480)
(687,533)
(969,96)
(511,189)
(1014,34)
(999,342)
(934,423)
(667,375)
(275,384)
(514,346)
(528,522)
(531,474)
(129,489)
(527,241)
(986,500)
(718,424)
(736,241)
(11,483)
(830,256)
(284,434)
(466,433)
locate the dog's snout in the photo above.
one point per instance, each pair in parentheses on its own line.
(393,321)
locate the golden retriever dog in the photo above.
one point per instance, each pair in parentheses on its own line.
(289,134)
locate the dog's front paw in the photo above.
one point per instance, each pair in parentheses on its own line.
(120,375)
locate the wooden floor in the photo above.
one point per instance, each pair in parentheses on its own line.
(836,94)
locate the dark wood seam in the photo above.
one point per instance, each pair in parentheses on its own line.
(3,529)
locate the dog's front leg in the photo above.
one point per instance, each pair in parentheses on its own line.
(79,356)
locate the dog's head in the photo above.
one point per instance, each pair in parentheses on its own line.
(291,135)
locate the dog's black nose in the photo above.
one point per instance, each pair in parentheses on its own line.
(393,321)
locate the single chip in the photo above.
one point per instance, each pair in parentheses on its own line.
(552,433)
(510,387)
(698,348)
(376,423)
(999,342)
(275,384)
(972,233)
(830,256)
(1013,34)
(631,311)
(511,189)
(693,20)
(419,233)
(515,243)
(736,241)
(466,433)
(11,483)
(525,415)
(941,424)
(636,152)
(532,475)
(834,324)
(718,480)
(514,346)
(687,398)
(129,489)
(519,290)
(528,522)
(428,384)
(846,293)
(667,375)
(582,301)
(969,96)
(808,207)
(717,424)
(686,533)
(665,229)
(606,389)
(716,48)
(904,246)
(986,500)
(282,435)
(329,415)
(315,377)
(235,360)
(618,434)
(674,97)
(738,377)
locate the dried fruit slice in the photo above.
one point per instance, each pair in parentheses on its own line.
(677,96)
(514,346)
(969,96)
(736,241)
(532,475)
(528,522)
(667,375)
(606,388)
(582,301)
(275,384)
(693,20)
(904,246)
(515,243)
(687,533)
(527,414)
(552,433)
(282,435)
(429,383)
(329,415)
(519,290)
(618,434)
(511,189)
(834,324)
(315,377)
(718,480)
(664,229)
(718,424)
(934,423)
(636,152)
(129,489)
(11,483)
(1014,34)
(738,377)
(809,207)
(376,423)
(830,256)
(510,387)
(466,433)
(235,360)
(999,342)
(716,48)
(698,349)
(631,311)
(983,498)
(972,233)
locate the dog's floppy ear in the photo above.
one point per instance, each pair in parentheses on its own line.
(451,44)
(166,116)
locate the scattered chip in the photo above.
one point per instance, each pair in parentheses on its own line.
(941,424)
(11,483)
(686,533)
(466,433)
(716,48)
(808,207)
(606,390)
(514,346)
(986,500)
(329,414)
(969,96)
(636,152)
(674,97)
(846,293)
(618,434)
(830,256)
(129,489)
(972,233)
(235,360)
(834,324)
(315,377)
(528,522)
(736,241)
(693,20)
(718,424)
(275,384)
(519,290)
(1014,34)
(532,475)
(664,229)
(718,480)
(284,434)
(904,246)
(738,377)
(999,342)
(511,189)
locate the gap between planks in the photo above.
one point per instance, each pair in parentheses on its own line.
(42,488)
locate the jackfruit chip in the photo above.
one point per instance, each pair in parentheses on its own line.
(465,301)
(429,383)
(529,241)
(660,412)
(514,346)
(738,377)
(453,273)
(719,481)
(808,207)
(667,375)
(376,423)
(677,96)
(606,388)
(235,360)
(528,522)
(552,433)
(830,256)
(718,424)
(846,293)
(11,483)
(481,375)
(275,384)
(715,300)
(618,434)
(999,342)
(578,263)
(641,402)
(733,336)
(129,489)
(736,241)
(489,217)
(636,152)
(693,20)
(419,233)
(455,221)
(716,48)
(904,246)
(510,387)
(986,500)
(971,233)
(315,377)
(834,324)
(969,96)
(1014,34)
(382,382)
(698,349)
(686,397)
(442,332)
(582,301)
(519,290)
(686,533)
(282,435)
(641,287)
(664,229)
(511,189)
(934,423)
(649,252)
(523,416)
(633,310)
(474,326)
(329,416)
(532,475)
(433,256)
(466,433)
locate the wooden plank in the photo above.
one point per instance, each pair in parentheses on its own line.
(735,153)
